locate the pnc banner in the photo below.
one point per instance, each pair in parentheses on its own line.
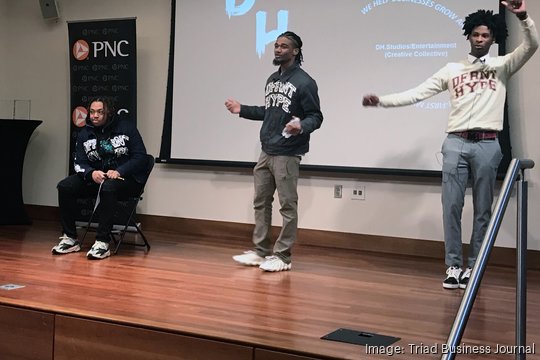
(103,62)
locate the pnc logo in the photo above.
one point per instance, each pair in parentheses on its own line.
(81,50)
(79,116)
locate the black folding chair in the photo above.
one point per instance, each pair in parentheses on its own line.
(125,210)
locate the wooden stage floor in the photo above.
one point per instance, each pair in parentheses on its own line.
(189,287)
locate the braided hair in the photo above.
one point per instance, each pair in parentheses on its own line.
(297,42)
(494,22)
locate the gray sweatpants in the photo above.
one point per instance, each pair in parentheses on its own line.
(271,173)
(461,158)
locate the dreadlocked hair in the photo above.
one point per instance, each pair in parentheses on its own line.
(494,22)
(108,104)
(297,44)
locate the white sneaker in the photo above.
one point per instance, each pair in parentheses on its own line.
(66,245)
(249,258)
(274,263)
(100,250)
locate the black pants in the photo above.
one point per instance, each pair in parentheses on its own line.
(73,187)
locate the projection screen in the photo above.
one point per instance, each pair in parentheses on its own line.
(224,49)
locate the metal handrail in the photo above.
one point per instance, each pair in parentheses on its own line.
(515,171)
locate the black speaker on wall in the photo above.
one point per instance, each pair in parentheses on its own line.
(49,9)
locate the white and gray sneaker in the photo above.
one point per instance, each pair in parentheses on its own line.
(249,258)
(100,250)
(274,263)
(66,245)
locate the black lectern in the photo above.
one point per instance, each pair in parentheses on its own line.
(14,137)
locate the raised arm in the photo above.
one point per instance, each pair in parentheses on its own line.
(517,7)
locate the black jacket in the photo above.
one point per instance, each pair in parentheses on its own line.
(129,152)
(293,93)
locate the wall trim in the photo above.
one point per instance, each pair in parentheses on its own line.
(309,237)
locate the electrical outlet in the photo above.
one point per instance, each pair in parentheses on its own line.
(358,192)
(338,191)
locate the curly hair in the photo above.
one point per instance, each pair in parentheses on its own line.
(494,22)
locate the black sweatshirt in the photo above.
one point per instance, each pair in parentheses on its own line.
(293,93)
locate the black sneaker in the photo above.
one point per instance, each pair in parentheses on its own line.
(464,280)
(453,274)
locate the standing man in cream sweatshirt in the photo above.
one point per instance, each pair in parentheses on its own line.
(477,87)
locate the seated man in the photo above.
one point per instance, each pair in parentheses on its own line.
(110,159)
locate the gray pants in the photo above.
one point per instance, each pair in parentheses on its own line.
(271,173)
(461,158)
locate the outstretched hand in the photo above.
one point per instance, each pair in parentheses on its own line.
(370,100)
(233,106)
(515,6)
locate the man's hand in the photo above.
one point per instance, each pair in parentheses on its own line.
(516,6)
(294,127)
(233,106)
(113,174)
(98,176)
(370,100)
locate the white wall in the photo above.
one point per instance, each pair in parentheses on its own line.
(36,68)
